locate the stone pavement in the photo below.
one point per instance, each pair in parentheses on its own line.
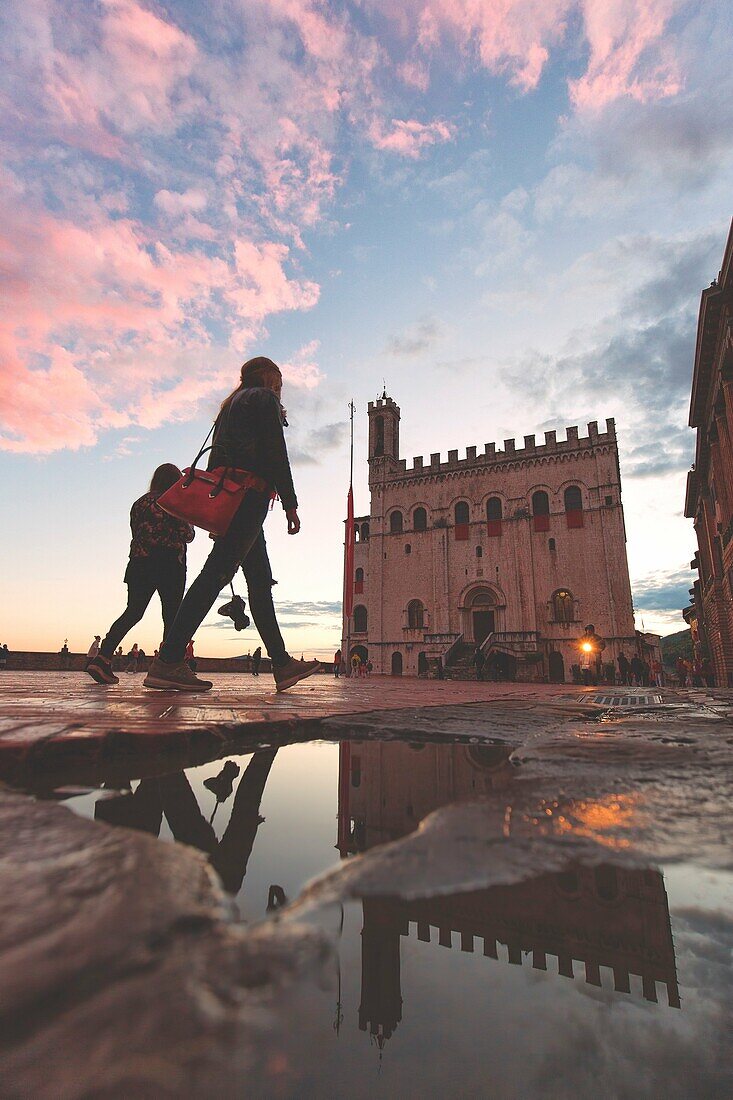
(51,720)
(124,973)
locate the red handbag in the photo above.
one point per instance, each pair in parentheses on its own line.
(209,498)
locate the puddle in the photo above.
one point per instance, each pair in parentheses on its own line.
(611,980)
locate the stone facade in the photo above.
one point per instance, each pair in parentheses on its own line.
(709,501)
(515,550)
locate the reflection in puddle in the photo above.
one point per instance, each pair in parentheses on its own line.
(604,916)
(461,993)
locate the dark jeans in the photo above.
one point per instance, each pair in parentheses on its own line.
(145,577)
(243,544)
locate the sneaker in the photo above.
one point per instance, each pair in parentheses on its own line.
(100,670)
(289,674)
(235,610)
(176,677)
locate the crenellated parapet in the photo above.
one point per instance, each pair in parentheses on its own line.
(511,454)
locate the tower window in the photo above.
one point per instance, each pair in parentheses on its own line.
(408,548)
(395,523)
(462,517)
(359,581)
(360,619)
(540,511)
(416,615)
(573,506)
(420,519)
(494,515)
(550,544)
(379,436)
(479,552)
(563,609)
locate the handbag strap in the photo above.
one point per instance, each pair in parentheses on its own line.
(192,469)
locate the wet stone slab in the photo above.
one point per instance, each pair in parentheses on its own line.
(515,897)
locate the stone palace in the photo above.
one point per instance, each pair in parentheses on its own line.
(514,551)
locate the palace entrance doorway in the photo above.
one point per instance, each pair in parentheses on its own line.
(483,624)
(479,614)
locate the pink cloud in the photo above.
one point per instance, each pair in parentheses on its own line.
(628,53)
(409,137)
(302,368)
(112,315)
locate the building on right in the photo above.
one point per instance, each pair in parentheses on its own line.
(709,498)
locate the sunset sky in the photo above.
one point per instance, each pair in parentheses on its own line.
(506,210)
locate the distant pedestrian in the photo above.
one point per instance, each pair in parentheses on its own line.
(4,654)
(65,656)
(697,673)
(637,670)
(656,673)
(142,659)
(337,658)
(624,669)
(681,668)
(157,564)
(256,661)
(707,672)
(479,660)
(118,659)
(93,648)
(369,667)
(355,664)
(132,657)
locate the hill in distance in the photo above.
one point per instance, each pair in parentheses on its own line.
(677,645)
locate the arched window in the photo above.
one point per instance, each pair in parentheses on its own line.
(416,615)
(420,519)
(395,523)
(365,532)
(494,516)
(360,619)
(396,664)
(379,436)
(541,510)
(356,533)
(359,581)
(563,607)
(574,506)
(462,516)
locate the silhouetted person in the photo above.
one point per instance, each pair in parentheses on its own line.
(157,564)
(4,655)
(65,657)
(248,437)
(479,660)
(637,669)
(624,669)
(337,659)
(171,796)
(256,661)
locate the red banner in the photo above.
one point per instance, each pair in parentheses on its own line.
(349,556)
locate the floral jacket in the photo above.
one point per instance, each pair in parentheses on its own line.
(154,530)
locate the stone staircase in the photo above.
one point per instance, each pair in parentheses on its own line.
(461,666)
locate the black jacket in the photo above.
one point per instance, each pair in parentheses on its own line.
(249,435)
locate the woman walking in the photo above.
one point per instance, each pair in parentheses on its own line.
(248,436)
(157,564)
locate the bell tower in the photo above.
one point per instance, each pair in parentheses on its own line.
(384,437)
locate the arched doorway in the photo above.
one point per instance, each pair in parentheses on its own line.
(557,668)
(480,615)
(396,663)
(361,652)
(422,664)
